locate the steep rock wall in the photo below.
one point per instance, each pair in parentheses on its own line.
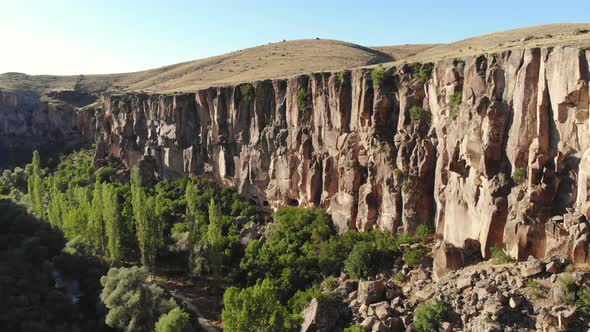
(391,156)
(29,121)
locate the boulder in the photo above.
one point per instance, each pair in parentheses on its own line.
(371,291)
(319,316)
(531,267)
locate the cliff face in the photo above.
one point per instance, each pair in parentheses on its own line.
(391,156)
(49,122)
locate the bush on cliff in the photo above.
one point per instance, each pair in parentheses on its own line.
(247,92)
(416,114)
(303,99)
(519,176)
(380,76)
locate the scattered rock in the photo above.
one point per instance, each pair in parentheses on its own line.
(319,316)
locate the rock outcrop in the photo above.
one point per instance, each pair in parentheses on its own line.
(57,121)
(492,150)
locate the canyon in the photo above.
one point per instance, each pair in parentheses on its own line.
(491,149)
(355,149)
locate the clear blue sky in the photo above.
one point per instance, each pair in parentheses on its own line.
(73,37)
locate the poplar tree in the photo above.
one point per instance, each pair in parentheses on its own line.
(149,234)
(96,224)
(215,237)
(112,220)
(35,187)
(57,206)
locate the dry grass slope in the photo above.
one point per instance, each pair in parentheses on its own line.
(574,34)
(284,59)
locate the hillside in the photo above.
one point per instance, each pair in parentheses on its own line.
(273,60)
(288,58)
(575,34)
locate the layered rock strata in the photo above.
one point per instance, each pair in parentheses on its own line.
(492,150)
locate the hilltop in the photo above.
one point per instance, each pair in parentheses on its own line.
(288,58)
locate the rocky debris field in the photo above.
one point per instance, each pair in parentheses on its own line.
(531,295)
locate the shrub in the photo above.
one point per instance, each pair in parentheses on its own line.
(519,176)
(303,98)
(330,283)
(568,286)
(499,256)
(535,287)
(341,75)
(256,308)
(356,328)
(406,185)
(416,113)
(302,298)
(368,258)
(247,92)
(428,315)
(425,72)
(174,321)
(423,232)
(454,102)
(456,99)
(380,76)
(583,303)
(413,256)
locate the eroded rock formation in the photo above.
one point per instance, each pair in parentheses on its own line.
(55,121)
(395,155)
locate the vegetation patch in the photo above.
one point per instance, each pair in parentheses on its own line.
(247,92)
(416,114)
(303,99)
(499,256)
(429,315)
(535,289)
(519,176)
(425,72)
(380,76)
(406,186)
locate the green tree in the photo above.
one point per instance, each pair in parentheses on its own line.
(113,226)
(148,230)
(256,308)
(57,206)
(96,223)
(35,187)
(215,238)
(133,304)
(174,321)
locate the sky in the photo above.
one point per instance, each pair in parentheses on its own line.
(93,37)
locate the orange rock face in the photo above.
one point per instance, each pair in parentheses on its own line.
(438,150)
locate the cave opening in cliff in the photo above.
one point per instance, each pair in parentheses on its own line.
(292,202)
